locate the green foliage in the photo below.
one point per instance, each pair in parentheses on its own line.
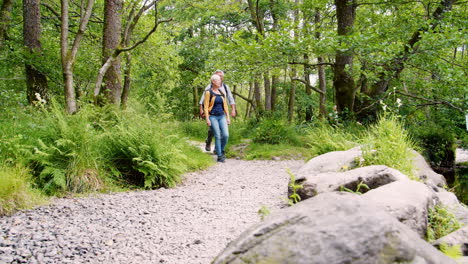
(358,188)
(15,190)
(437,143)
(263,212)
(144,155)
(275,131)
(441,223)
(65,158)
(268,151)
(80,152)
(387,143)
(324,138)
(453,252)
(293,186)
(197,130)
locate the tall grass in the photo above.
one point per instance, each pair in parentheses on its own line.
(15,190)
(388,143)
(323,138)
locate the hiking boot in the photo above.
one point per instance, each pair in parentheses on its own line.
(222,159)
(208,146)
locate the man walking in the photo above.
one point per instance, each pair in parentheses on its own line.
(225,90)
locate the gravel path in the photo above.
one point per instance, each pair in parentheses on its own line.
(188,224)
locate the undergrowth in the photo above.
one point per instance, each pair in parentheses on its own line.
(441,223)
(96,149)
(387,143)
(16,191)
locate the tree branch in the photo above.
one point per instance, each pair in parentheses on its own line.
(432,102)
(250,101)
(51,9)
(311,65)
(308,85)
(83,24)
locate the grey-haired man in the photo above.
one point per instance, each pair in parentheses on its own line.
(225,90)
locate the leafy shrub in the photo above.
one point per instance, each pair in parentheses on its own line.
(15,191)
(387,143)
(275,131)
(437,143)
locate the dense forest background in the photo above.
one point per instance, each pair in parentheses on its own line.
(110,87)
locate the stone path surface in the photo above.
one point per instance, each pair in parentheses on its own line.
(189,224)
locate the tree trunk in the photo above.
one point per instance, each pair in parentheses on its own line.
(257,94)
(267,87)
(36,82)
(68,56)
(307,72)
(127,80)
(249,106)
(292,96)
(5,19)
(321,70)
(343,81)
(111,40)
(274,87)
(323,88)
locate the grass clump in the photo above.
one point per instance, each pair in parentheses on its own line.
(387,143)
(441,223)
(323,138)
(275,131)
(267,151)
(15,190)
(453,252)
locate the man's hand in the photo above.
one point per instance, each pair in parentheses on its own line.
(228,121)
(208,122)
(233,112)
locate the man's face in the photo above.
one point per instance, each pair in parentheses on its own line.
(221,75)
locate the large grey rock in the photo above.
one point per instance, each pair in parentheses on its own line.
(327,229)
(331,162)
(459,237)
(373,176)
(408,201)
(425,172)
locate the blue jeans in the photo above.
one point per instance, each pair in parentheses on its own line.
(220,130)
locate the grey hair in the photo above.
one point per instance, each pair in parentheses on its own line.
(215,76)
(219,71)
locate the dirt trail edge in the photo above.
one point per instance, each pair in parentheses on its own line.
(190,223)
